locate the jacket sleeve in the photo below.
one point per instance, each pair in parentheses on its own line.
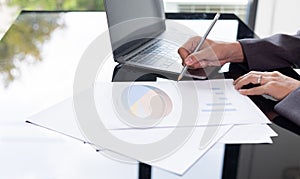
(289,107)
(277,51)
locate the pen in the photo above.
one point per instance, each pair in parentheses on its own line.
(200,44)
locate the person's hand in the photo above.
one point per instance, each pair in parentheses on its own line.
(274,84)
(212,53)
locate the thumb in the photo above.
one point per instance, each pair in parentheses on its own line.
(192,62)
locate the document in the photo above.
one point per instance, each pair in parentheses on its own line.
(249,134)
(216,101)
(213,111)
(178,161)
(59,118)
(189,153)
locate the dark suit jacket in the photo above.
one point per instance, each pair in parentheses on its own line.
(278,51)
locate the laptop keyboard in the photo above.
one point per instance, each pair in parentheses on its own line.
(159,54)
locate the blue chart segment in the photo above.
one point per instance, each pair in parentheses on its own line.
(146,102)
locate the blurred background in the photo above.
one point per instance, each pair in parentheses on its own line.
(266,17)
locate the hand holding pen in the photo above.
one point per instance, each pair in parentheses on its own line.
(200,44)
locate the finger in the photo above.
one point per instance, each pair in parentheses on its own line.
(192,62)
(256,73)
(247,79)
(199,58)
(183,53)
(199,64)
(195,63)
(243,76)
(264,74)
(260,90)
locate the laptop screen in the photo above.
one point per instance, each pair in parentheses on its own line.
(133,23)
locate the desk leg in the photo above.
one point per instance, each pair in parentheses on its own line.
(144,171)
(231,159)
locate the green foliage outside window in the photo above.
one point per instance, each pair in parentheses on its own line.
(58,4)
(23,41)
(29,32)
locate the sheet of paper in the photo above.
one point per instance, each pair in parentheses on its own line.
(218,104)
(59,118)
(214,158)
(181,160)
(248,134)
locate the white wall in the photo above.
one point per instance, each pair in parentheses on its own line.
(7,16)
(277,16)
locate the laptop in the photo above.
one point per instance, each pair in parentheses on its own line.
(137,29)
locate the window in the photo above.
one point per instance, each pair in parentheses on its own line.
(9,9)
(245,9)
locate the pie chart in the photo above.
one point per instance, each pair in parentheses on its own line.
(146,102)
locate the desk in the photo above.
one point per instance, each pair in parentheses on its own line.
(38,59)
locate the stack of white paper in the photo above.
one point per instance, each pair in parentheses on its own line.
(220,114)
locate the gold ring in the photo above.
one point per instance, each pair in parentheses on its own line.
(259,79)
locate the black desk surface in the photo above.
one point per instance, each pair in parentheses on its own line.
(38,58)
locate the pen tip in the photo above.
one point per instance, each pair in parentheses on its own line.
(178,79)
